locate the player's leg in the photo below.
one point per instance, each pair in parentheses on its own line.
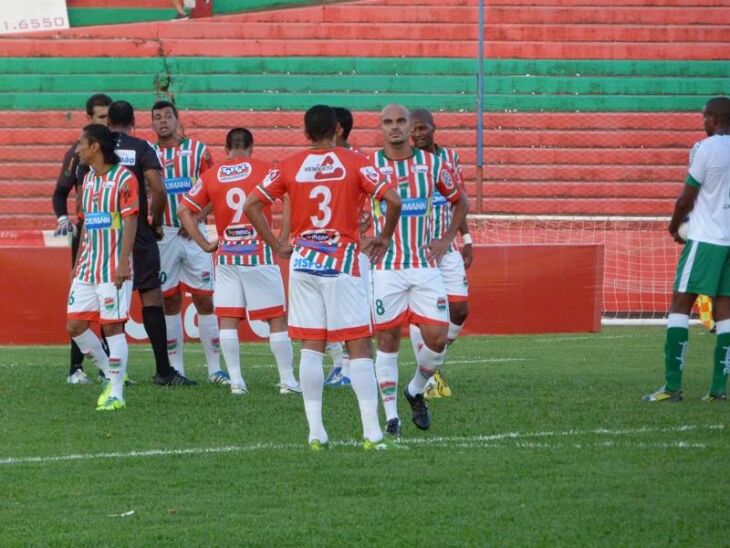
(197,277)
(230,307)
(171,257)
(389,311)
(721,361)
(307,322)
(112,317)
(337,375)
(76,374)
(698,272)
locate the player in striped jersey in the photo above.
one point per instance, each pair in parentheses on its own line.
(184,266)
(247,277)
(327,301)
(453,266)
(101,289)
(407,286)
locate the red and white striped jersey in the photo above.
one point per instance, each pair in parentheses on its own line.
(326,188)
(181,167)
(105,200)
(227,185)
(416,179)
(442,210)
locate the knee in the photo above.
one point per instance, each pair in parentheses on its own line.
(204,305)
(436,341)
(458,315)
(74,329)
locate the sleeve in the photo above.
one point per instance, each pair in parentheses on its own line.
(197,198)
(129,195)
(65,182)
(456,167)
(697,166)
(372,181)
(148,159)
(446,184)
(271,188)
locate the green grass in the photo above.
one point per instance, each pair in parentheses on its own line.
(546,442)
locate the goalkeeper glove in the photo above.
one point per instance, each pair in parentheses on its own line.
(65,227)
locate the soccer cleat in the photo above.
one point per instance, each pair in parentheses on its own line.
(78,377)
(239,389)
(111,404)
(106,393)
(432,390)
(392,428)
(285,388)
(173,379)
(384,444)
(336,378)
(219,377)
(662,394)
(316,445)
(714,397)
(443,388)
(420,414)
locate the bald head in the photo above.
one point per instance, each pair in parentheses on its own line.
(395,123)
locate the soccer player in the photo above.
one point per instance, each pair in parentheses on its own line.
(452,266)
(141,159)
(247,277)
(70,177)
(101,287)
(327,301)
(183,265)
(704,266)
(407,286)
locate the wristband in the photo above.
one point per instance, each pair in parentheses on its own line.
(466,238)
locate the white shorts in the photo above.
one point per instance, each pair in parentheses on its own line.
(259,289)
(415,295)
(331,308)
(102,303)
(364,261)
(183,265)
(454,276)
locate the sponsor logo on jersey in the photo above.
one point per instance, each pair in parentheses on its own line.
(182,153)
(310,267)
(238,172)
(234,248)
(387,171)
(419,168)
(447,179)
(240,232)
(109,303)
(321,167)
(126,157)
(410,207)
(439,200)
(108,184)
(271,176)
(371,173)
(102,219)
(329,236)
(178,185)
(168,162)
(196,187)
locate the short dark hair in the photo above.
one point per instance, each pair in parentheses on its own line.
(99,133)
(159,105)
(97,100)
(320,122)
(239,138)
(720,107)
(423,115)
(344,118)
(121,114)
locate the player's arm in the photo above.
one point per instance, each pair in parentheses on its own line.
(129,203)
(285,231)
(271,189)
(377,247)
(467,253)
(64,183)
(448,187)
(189,220)
(683,206)
(158,199)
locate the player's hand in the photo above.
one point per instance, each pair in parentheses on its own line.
(467,255)
(157,231)
(65,227)
(366,221)
(211,247)
(284,250)
(121,275)
(437,249)
(376,248)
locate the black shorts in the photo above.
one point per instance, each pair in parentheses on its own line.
(146,260)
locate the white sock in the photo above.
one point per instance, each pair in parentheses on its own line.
(90,346)
(210,339)
(281,348)
(454,331)
(118,356)
(231,354)
(346,365)
(386,370)
(336,352)
(416,338)
(311,375)
(175,342)
(362,377)
(427,363)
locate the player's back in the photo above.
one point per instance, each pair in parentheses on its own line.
(710,171)
(138,156)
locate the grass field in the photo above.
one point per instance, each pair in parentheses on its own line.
(546,442)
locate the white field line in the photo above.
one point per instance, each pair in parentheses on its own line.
(481,441)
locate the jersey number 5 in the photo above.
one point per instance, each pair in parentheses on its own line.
(324,206)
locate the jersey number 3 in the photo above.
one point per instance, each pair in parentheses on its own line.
(324,206)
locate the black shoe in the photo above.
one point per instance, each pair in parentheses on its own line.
(173,379)
(392,428)
(419,410)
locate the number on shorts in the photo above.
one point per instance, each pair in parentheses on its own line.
(235,198)
(323,205)
(379,307)
(71,298)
